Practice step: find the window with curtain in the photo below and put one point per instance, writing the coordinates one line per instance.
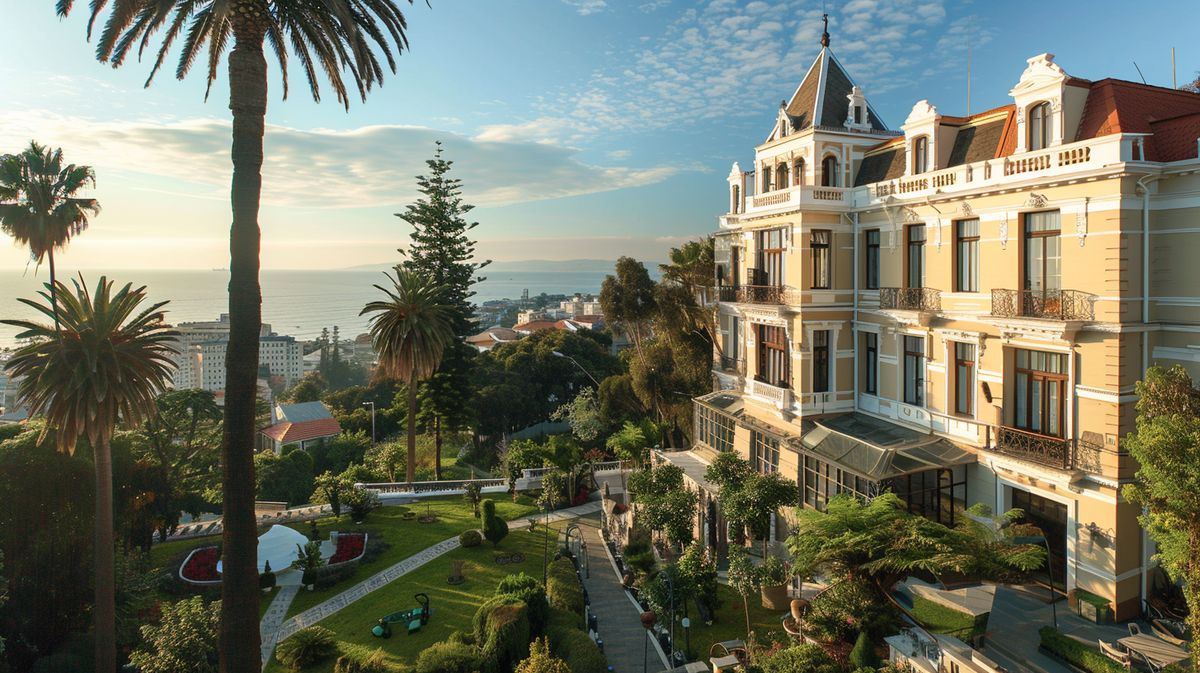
(819, 242)
(915, 257)
(914, 371)
(820, 360)
(764, 453)
(1039, 126)
(872, 260)
(966, 256)
(964, 378)
(1043, 252)
(774, 363)
(920, 162)
(871, 363)
(770, 244)
(1041, 386)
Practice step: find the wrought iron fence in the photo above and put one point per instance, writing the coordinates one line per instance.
(910, 298)
(727, 293)
(760, 294)
(1053, 304)
(1042, 449)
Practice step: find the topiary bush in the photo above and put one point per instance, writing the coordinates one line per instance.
(563, 589)
(448, 657)
(575, 647)
(502, 631)
(541, 661)
(494, 528)
(863, 654)
(306, 647)
(470, 538)
(530, 590)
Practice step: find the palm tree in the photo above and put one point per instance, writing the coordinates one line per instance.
(410, 330)
(330, 37)
(104, 365)
(38, 203)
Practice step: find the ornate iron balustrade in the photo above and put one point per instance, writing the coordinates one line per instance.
(1052, 304)
(760, 294)
(727, 293)
(1041, 449)
(910, 298)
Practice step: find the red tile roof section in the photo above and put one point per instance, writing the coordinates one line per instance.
(1118, 106)
(536, 326)
(1175, 139)
(287, 432)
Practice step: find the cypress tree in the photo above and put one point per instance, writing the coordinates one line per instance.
(442, 249)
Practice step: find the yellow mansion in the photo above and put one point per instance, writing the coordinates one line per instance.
(958, 311)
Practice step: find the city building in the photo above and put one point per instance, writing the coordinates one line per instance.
(200, 362)
(492, 337)
(958, 310)
(304, 424)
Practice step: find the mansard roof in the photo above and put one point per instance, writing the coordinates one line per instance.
(822, 97)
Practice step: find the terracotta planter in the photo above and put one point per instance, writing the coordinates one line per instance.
(798, 606)
(775, 597)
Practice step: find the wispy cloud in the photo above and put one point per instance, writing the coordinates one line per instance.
(586, 7)
(369, 166)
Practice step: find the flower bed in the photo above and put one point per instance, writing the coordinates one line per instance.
(200, 566)
(349, 547)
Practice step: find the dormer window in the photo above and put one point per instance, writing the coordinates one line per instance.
(829, 171)
(1039, 126)
(920, 160)
(858, 114)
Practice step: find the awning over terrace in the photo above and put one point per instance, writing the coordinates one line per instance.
(877, 449)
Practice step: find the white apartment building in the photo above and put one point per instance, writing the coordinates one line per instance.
(201, 358)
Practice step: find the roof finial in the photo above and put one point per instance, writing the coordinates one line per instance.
(825, 33)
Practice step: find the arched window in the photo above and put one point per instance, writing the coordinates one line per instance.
(781, 175)
(1039, 126)
(920, 160)
(766, 179)
(798, 173)
(829, 171)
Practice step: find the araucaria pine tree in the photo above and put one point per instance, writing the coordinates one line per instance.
(442, 251)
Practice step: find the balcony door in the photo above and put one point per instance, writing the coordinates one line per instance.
(1043, 256)
(770, 246)
(1041, 392)
(774, 362)
(914, 276)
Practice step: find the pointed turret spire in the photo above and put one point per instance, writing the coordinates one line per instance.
(825, 33)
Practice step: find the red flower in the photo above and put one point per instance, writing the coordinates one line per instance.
(349, 547)
(201, 566)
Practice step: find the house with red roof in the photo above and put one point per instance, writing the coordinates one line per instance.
(304, 424)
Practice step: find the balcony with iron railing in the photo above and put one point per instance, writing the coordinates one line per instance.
(910, 298)
(1045, 304)
(1044, 450)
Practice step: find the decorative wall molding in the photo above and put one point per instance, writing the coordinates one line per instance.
(1081, 222)
(1036, 200)
(1004, 232)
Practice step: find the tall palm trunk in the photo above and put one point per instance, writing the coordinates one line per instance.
(437, 448)
(240, 645)
(104, 612)
(411, 468)
(53, 289)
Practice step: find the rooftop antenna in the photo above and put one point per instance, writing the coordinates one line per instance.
(1174, 84)
(1139, 72)
(968, 67)
(825, 33)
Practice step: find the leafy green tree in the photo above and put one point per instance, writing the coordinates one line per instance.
(743, 577)
(1166, 446)
(583, 415)
(627, 299)
(494, 528)
(698, 568)
(102, 363)
(287, 478)
(337, 453)
(40, 206)
(473, 494)
(443, 251)
(629, 444)
(361, 502)
(411, 330)
(863, 654)
(386, 459)
(357, 37)
(750, 506)
(331, 488)
(183, 641)
(309, 388)
(664, 503)
(617, 400)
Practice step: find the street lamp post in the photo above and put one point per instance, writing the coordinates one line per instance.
(589, 374)
(372, 405)
(687, 636)
(671, 629)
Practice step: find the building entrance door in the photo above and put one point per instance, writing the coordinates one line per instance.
(1051, 518)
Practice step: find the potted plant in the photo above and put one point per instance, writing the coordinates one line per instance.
(308, 560)
(266, 581)
(772, 579)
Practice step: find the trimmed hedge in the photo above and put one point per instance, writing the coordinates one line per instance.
(502, 632)
(1074, 652)
(360, 661)
(530, 590)
(562, 587)
(448, 657)
(470, 538)
(577, 649)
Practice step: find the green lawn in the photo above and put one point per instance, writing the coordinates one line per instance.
(405, 537)
(938, 618)
(453, 606)
(730, 623)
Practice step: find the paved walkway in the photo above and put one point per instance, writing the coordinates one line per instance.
(617, 615)
(274, 617)
(383, 578)
(1012, 638)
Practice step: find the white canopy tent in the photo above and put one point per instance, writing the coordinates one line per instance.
(278, 545)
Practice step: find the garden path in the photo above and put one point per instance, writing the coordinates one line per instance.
(274, 617)
(382, 578)
(618, 618)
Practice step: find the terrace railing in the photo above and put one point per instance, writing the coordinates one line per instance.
(430, 486)
(1041, 449)
(910, 298)
(1048, 304)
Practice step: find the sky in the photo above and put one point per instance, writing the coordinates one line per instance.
(580, 128)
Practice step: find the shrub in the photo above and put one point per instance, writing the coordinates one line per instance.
(356, 662)
(470, 538)
(563, 590)
(575, 647)
(448, 657)
(1074, 652)
(772, 572)
(267, 579)
(808, 658)
(184, 640)
(541, 661)
(328, 576)
(306, 647)
(494, 528)
(361, 502)
(502, 631)
(863, 654)
(375, 547)
(531, 591)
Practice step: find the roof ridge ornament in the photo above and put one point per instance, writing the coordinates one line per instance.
(825, 32)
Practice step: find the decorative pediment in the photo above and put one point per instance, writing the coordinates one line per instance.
(1041, 71)
(735, 174)
(922, 111)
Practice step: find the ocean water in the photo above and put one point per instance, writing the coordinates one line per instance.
(295, 303)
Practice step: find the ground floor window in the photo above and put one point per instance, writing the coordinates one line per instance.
(764, 452)
(714, 428)
(939, 494)
(914, 371)
(821, 481)
(1051, 518)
